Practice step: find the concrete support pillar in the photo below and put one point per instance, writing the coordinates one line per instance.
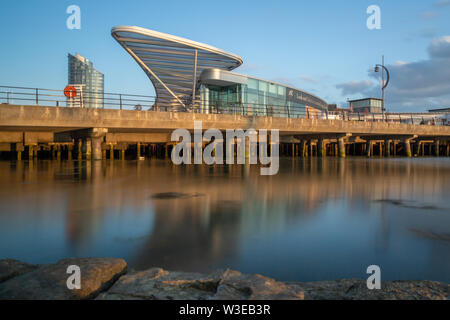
(416, 149)
(369, 148)
(407, 144)
(30, 152)
(448, 149)
(321, 148)
(387, 148)
(69, 152)
(58, 152)
(79, 149)
(422, 145)
(96, 145)
(341, 144)
(103, 153)
(166, 151)
(87, 148)
(111, 152)
(122, 154)
(198, 151)
(436, 147)
(303, 148)
(253, 147)
(138, 150)
(293, 149)
(19, 149)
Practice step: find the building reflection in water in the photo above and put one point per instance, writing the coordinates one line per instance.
(317, 219)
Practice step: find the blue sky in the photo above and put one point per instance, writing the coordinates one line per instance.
(320, 46)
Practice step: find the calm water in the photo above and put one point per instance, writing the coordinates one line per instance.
(315, 220)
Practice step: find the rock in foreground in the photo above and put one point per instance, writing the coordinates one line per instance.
(49, 282)
(105, 279)
(159, 284)
(10, 268)
(356, 289)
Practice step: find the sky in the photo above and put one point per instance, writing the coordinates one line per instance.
(321, 46)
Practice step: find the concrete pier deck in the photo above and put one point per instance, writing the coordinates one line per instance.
(94, 132)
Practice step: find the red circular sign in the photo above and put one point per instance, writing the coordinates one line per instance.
(70, 92)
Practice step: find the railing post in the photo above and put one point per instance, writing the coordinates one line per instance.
(120, 98)
(37, 94)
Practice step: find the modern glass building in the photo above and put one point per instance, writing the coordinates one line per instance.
(83, 75)
(227, 92)
(191, 76)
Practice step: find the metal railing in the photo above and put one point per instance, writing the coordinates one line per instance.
(119, 101)
(52, 97)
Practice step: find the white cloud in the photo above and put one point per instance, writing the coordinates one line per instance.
(355, 87)
(428, 15)
(442, 3)
(414, 86)
(307, 79)
(440, 48)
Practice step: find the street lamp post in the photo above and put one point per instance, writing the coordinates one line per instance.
(384, 84)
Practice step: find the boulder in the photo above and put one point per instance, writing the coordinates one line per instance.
(50, 281)
(10, 268)
(159, 284)
(356, 289)
(235, 285)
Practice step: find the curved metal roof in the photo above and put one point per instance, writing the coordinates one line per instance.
(172, 63)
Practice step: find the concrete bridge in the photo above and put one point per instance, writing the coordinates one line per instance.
(90, 133)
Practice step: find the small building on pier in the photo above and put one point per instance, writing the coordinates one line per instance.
(366, 105)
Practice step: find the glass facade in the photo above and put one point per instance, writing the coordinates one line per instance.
(82, 72)
(257, 97)
(370, 105)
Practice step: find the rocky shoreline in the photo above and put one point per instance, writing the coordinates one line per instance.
(108, 279)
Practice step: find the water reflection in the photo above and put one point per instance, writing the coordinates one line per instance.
(317, 219)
